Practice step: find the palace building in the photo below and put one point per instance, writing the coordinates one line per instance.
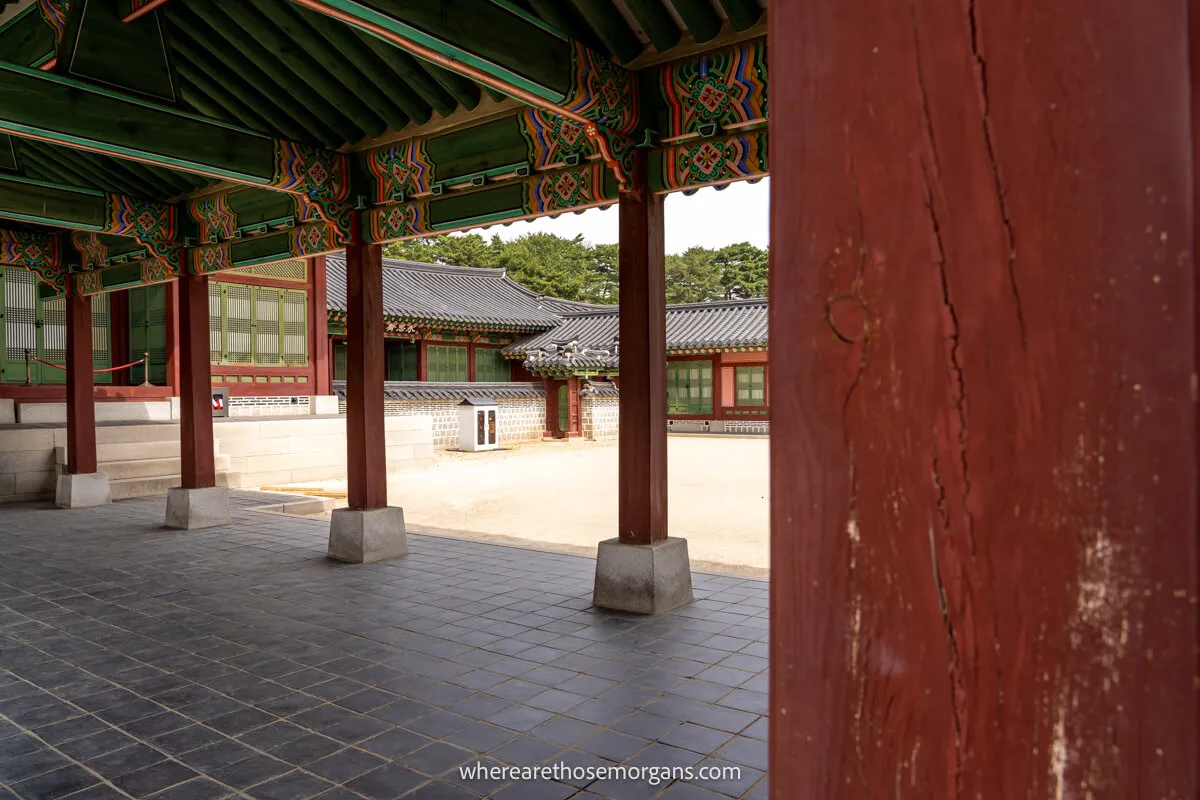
(277, 343)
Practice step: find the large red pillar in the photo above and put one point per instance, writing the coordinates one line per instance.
(642, 570)
(983, 422)
(642, 444)
(366, 468)
(81, 403)
(195, 384)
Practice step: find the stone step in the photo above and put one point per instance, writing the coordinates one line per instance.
(151, 467)
(118, 452)
(116, 434)
(129, 488)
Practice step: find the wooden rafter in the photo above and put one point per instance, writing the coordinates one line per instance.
(558, 75)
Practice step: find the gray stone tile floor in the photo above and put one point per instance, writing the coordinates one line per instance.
(136, 661)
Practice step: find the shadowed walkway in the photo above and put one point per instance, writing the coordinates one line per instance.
(141, 662)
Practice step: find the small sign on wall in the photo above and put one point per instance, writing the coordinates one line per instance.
(220, 401)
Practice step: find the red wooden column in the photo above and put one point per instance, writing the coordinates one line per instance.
(366, 458)
(318, 330)
(642, 443)
(195, 384)
(81, 404)
(983, 413)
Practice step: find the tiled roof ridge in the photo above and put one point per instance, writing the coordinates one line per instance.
(539, 297)
(605, 310)
(494, 273)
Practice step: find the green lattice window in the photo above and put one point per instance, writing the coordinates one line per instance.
(751, 386)
(490, 366)
(258, 325)
(689, 387)
(29, 322)
(446, 363)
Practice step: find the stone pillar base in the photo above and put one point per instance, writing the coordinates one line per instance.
(82, 491)
(189, 509)
(360, 536)
(643, 578)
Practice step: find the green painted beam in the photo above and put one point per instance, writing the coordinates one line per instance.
(660, 28)
(478, 148)
(480, 36)
(612, 28)
(308, 113)
(49, 204)
(743, 14)
(62, 111)
(700, 18)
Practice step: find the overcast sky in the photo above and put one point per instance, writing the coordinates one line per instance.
(706, 219)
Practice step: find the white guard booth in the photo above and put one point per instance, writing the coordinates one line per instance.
(477, 424)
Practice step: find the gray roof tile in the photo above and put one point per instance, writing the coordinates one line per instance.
(436, 293)
(427, 390)
(690, 326)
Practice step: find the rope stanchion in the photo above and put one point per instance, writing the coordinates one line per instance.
(143, 361)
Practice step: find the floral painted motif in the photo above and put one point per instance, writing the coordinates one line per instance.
(54, 12)
(151, 223)
(400, 221)
(728, 87)
(565, 190)
(87, 282)
(401, 171)
(214, 217)
(92, 252)
(690, 164)
(321, 176)
(552, 138)
(213, 258)
(602, 91)
(36, 252)
(314, 239)
(156, 270)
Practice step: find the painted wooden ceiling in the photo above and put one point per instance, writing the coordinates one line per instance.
(219, 132)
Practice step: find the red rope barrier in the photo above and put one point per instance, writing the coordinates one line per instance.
(108, 369)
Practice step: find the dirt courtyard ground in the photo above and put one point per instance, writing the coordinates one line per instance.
(564, 497)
